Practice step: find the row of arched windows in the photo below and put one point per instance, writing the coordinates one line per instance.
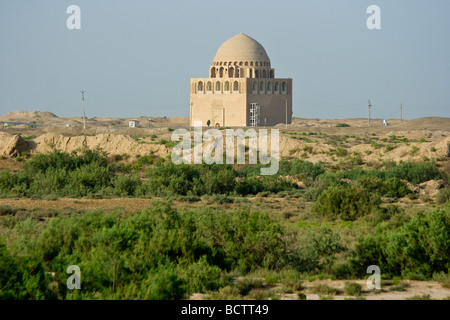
(257, 87)
(242, 64)
(261, 87)
(202, 87)
(237, 72)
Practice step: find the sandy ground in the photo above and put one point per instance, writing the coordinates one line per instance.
(414, 288)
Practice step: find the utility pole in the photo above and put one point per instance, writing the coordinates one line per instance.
(369, 112)
(401, 112)
(286, 113)
(84, 114)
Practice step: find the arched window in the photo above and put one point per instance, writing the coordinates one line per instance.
(231, 72)
(221, 72)
(227, 86)
(217, 87)
(277, 87)
(236, 86)
(237, 73)
(209, 87)
(283, 87)
(246, 63)
(269, 87)
(241, 63)
(221, 63)
(235, 63)
(261, 87)
(251, 64)
(271, 74)
(229, 63)
(255, 87)
(264, 74)
(256, 73)
(200, 86)
(250, 73)
(213, 72)
(256, 64)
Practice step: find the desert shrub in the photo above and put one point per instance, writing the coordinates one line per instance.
(342, 125)
(318, 251)
(23, 278)
(395, 188)
(356, 159)
(7, 210)
(125, 185)
(414, 249)
(218, 180)
(443, 195)
(414, 172)
(386, 213)
(443, 278)
(202, 277)
(260, 294)
(290, 285)
(348, 203)
(414, 150)
(401, 286)
(352, 289)
(323, 289)
(301, 296)
(145, 160)
(250, 185)
(341, 152)
(164, 284)
(305, 170)
(323, 182)
(245, 285)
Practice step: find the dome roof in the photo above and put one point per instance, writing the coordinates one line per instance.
(241, 48)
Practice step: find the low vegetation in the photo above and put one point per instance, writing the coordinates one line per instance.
(239, 244)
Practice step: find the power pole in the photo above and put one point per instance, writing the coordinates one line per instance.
(84, 114)
(401, 112)
(369, 112)
(286, 113)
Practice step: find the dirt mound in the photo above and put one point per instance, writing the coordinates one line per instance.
(427, 123)
(113, 144)
(25, 116)
(12, 145)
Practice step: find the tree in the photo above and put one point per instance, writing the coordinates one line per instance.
(208, 123)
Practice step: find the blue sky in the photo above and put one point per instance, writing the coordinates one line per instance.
(135, 58)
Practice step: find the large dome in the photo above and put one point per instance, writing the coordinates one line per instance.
(241, 48)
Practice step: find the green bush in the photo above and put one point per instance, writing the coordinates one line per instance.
(201, 277)
(443, 195)
(323, 289)
(415, 249)
(395, 188)
(414, 172)
(443, 278)
(342, 125)
(348, 203)
(245, 285)
(164, 284)
(352, 289)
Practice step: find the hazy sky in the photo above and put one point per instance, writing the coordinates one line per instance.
(135, 58)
